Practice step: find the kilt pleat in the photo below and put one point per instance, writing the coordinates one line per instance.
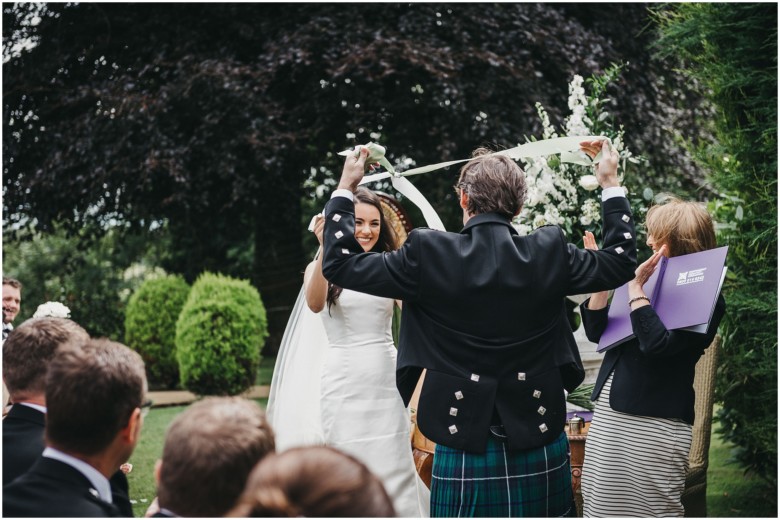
(503, 483)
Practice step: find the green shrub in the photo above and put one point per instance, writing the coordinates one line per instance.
(150, 327)
(219, 336)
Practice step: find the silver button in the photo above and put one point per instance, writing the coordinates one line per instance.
(94, 492)
(453, 412)
(458, 395)
(541, 410)
(453, 429)
(474, 377)
(521, 376)
(542, 427)
(345, 251)
(336, 217)
(619, 250)
(537, 393)
(338, 234)
(625, 218)
(627, 235)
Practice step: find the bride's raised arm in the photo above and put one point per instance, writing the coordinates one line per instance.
(315, 285)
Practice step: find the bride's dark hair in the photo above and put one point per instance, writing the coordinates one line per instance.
(387, 239)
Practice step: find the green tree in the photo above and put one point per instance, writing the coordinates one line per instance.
(219, 336)
(731, 50)
(208, 119)
(93, 277)
(150, 327)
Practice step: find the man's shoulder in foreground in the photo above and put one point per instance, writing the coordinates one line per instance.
(54, 489)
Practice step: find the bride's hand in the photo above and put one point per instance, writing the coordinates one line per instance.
(319, 228)
(598, 300)
(589, 241)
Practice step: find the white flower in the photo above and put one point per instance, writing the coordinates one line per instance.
(52, 310)
(589, 182)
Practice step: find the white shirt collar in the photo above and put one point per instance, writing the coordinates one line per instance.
(98, 481)
(38, 407)
(169, 513)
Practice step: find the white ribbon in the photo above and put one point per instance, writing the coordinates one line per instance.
(567, 147)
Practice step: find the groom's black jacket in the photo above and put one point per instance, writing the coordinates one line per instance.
(484, 312)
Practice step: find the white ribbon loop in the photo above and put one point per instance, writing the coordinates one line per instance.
(567, 147)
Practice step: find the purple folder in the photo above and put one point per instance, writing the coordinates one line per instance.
(683, 290)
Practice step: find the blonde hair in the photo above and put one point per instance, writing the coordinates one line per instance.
(685, 227)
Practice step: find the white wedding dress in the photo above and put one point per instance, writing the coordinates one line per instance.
(341, 393)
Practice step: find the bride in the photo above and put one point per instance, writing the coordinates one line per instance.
(343, 394)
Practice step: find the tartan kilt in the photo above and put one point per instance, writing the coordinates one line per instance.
(503, 483)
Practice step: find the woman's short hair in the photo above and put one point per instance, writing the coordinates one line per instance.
(313, 481)
(493, 183)
(685, 227)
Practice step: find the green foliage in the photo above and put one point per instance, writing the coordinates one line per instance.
(93, 277)
(581, 397)
(219, 336)
(150, 327)
(731, 50)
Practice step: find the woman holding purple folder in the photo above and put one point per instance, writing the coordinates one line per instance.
(636, 455)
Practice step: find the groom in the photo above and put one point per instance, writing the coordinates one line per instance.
(484, 313)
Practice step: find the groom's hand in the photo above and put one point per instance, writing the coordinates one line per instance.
(354, 169)
(606, 169)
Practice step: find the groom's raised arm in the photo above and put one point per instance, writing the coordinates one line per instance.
(391, 275)
(614, 264)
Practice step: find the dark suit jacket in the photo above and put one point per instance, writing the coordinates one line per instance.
(23, 443)
(484, 313)
(53, 489)
(653, 372)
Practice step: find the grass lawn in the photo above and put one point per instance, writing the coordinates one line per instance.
(730, 493)
(266, 370)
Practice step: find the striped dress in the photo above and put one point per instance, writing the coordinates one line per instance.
(634, 465)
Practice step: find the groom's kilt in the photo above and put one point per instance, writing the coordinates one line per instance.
(501, 483)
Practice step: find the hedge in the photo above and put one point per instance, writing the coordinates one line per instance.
(219, 336)
(150, 327)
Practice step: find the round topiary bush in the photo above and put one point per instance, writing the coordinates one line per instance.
(150, 327)
(219, 335)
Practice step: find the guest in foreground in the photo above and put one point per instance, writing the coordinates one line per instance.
(315, 481)
(636, 455)
(484, 313)
(94, 398)
(209, 451)
(26, 358)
